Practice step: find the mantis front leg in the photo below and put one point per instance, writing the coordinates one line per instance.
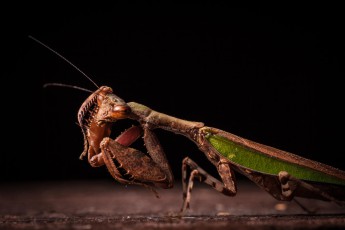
(227, 186)
(130, 166)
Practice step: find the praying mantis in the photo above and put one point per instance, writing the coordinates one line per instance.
(283, 175)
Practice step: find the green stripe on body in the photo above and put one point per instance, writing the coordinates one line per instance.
(256, 161)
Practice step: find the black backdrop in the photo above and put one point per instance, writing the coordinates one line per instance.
(272, 76)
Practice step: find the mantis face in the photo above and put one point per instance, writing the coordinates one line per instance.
(111, 108)
(97, 113)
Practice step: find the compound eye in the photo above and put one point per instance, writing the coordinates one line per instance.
(105, 90)
(123, 109)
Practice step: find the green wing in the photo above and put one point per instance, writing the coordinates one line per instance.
(259, 162)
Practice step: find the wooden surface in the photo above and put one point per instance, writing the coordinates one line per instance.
(108, 205)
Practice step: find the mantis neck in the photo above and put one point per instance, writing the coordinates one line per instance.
(154, 119)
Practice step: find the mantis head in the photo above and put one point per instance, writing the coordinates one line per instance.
(110, 107)
(97, 113)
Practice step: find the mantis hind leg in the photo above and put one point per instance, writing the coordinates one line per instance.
(227, 186)
(289, 186)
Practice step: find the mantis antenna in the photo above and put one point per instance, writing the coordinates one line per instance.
(67, 86)
(66, 60)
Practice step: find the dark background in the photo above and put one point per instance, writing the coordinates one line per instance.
(272, 76)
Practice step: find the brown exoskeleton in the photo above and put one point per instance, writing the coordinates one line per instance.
(282, 174)
(103, 108)
(126, 165)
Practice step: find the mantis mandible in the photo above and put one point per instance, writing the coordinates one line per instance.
(282, 174)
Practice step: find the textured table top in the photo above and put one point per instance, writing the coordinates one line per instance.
(109, 205)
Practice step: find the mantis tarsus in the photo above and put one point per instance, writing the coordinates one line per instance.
(280, 173)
